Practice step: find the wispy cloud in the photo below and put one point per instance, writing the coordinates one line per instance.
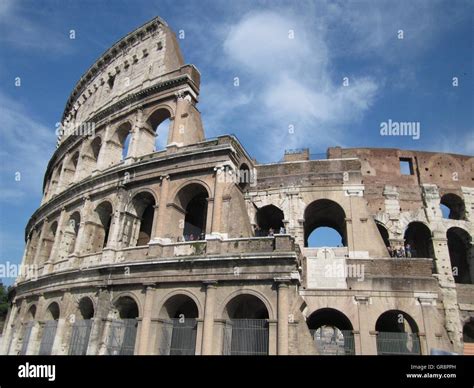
(296, 100)
(27, 145)
(19, 30)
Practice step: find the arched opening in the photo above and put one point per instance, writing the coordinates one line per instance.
(123, 136)
(460, 253)
(123, 329)
(244, 177)
(468, 332)
(96, 144)
(192, 199)
(246, 327)
(383, 233)
(55, 177)
(269, 221)
(100, 234)
(452, 207)
(178, 326)
(397, 333)
(332, 332)
(27, 328)
(47, 243)
(418, 241)
(49, 329)
(81, 327)
(75, 161)
(330, 215)
(144, 209)
(71, 232)
(160, 122)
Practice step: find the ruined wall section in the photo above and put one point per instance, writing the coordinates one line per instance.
(135, 62)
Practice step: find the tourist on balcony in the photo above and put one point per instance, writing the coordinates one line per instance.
(408, 250)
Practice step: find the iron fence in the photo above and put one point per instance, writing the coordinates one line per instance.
(398, 343)
(47, 338)
(81, 331)
(245, 337)
(26, 337)
(330, 341)
(178, 337)
(122, 337)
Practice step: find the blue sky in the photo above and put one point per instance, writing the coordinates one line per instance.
(291, 59)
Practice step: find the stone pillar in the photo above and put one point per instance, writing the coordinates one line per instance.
(61, 338)
(448, 290)
(37, 329)
(102, 310)
(81, 241)
(272, 337)
(143, 137)
(62, 223)
(102, 159)
(10, 324)
(156, 211)
(161, 219)
(368, 337)
(17, 328)
(144, 334)
(44, 231)
(116, 222)
(429, 312)
(208, 327)
(217, 208)
(283, 308)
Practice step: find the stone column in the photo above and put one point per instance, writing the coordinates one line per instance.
(144, 335)
(10, 324)
(272, 337)
(448, 290)
(116, 222)
(61, 338)
(156, 214)
(44, 231)
(161, 219)
(368, 339)
(62, 223)
(102, 310)
(283, 308)
(37, 329)
(428, 312)
(102, 158)
(79, 244)
(17, 328)
(217, 209)
(208, 327)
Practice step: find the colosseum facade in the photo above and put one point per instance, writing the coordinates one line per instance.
(196, 248)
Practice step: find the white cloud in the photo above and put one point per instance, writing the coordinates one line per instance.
(292, 81)
(26, 148)
(23, 32)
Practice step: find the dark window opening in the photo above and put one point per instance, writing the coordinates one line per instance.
(269, 221)
(459, 242)
(406, 166)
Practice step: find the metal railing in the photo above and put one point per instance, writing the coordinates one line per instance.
(47, 338)
(122, 336)
(330, 341)
(26, 337)
(398, 343)
(178, 337)
(245, 337)
(81, 331)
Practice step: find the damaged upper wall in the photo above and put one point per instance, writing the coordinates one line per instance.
(381, 170)
(147, 55)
